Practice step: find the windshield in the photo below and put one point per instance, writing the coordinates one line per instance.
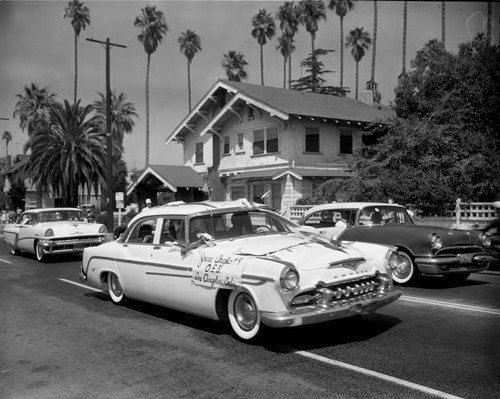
(384, 215)
(235, 224)
(59, 215)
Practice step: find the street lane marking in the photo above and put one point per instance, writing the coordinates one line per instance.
(372, 373)
(451, 305)
(5, 261)
(80, 285)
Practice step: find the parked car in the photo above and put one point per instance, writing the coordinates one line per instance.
(53, 231)
(241, 263)
(431, 250)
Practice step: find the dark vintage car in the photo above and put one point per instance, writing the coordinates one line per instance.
(423, 250)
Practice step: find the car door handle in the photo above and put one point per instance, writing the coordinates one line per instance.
(156, 247)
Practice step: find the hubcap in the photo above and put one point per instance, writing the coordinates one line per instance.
(245, 311)
(116, 286)
(403, 269)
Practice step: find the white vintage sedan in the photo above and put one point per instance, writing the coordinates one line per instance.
(53, 231)
(241, 264)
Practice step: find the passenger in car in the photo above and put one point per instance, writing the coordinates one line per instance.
(241, 224)
(146, 234)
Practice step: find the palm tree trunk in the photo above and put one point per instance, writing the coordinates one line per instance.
(284, 72)
(341, 51)
(147, 110)
(405, 30)
(374, 51)
(262, 64)
(189, 85)
(290, 71)
(357, 76)
(443, 23)
(312, 43)
(76, 69)
(488, 27)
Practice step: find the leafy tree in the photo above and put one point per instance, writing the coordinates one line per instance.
(341, 7)
(70, 153)
(7, 137)
(17, 195)
(314, 81)
(235, 66)
(359, 41)
(444, 143)
(310, 13)
(80, 19)
(190, 45)
(152, 27)
(263, 28)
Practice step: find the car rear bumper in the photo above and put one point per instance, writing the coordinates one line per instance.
(454, 264)
(348, 308)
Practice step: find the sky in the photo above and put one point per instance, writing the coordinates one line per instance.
(37, 46)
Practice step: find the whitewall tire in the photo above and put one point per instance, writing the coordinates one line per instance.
(243, 314)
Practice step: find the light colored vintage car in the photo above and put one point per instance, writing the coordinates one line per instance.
(422, 250)
(53, 231)
(241, 264)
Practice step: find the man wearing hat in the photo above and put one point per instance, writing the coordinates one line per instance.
(148, 203)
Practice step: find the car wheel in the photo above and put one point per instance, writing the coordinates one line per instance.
(243, 314)
(406, 271)
(13, 250)
(39, 252)
(115, 288)
(456, 277)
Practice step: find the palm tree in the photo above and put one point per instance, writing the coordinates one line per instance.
(311, 12)
(33, 109)
(341, 7)
(80, 19)
(70, 153)
(152, 27)
(7, 137)
(405, 32)
(443, 23)
(360, 41)
(263, 28)
(190, 44)
(235, 66)
(288, 15)
(286, 47)
(122, 114)
(374, 47)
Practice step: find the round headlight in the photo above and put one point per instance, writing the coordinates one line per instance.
(436, 242)
(49, 233)
(103, 229)
(392, 259)
(485, 240)
(289, 279)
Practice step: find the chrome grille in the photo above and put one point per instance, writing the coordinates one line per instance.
(336, 294)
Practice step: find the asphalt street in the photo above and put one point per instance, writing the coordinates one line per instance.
(60, 339)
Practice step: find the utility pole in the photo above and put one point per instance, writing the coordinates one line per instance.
(109, 142)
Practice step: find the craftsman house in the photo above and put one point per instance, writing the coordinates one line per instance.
(271, 144)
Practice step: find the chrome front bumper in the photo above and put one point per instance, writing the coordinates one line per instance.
(454, 264)
(68, 246)
(352, 307)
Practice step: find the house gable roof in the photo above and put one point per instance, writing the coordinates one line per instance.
(172, 176)
(281, 103)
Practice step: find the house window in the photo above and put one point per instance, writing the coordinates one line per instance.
(258, 191)
(258, 142)
(250, 113)
(345, 142)
(240, 142)
(312, 139)
(226, 145)
(237, 192)
(199, 153)
(266, 141)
